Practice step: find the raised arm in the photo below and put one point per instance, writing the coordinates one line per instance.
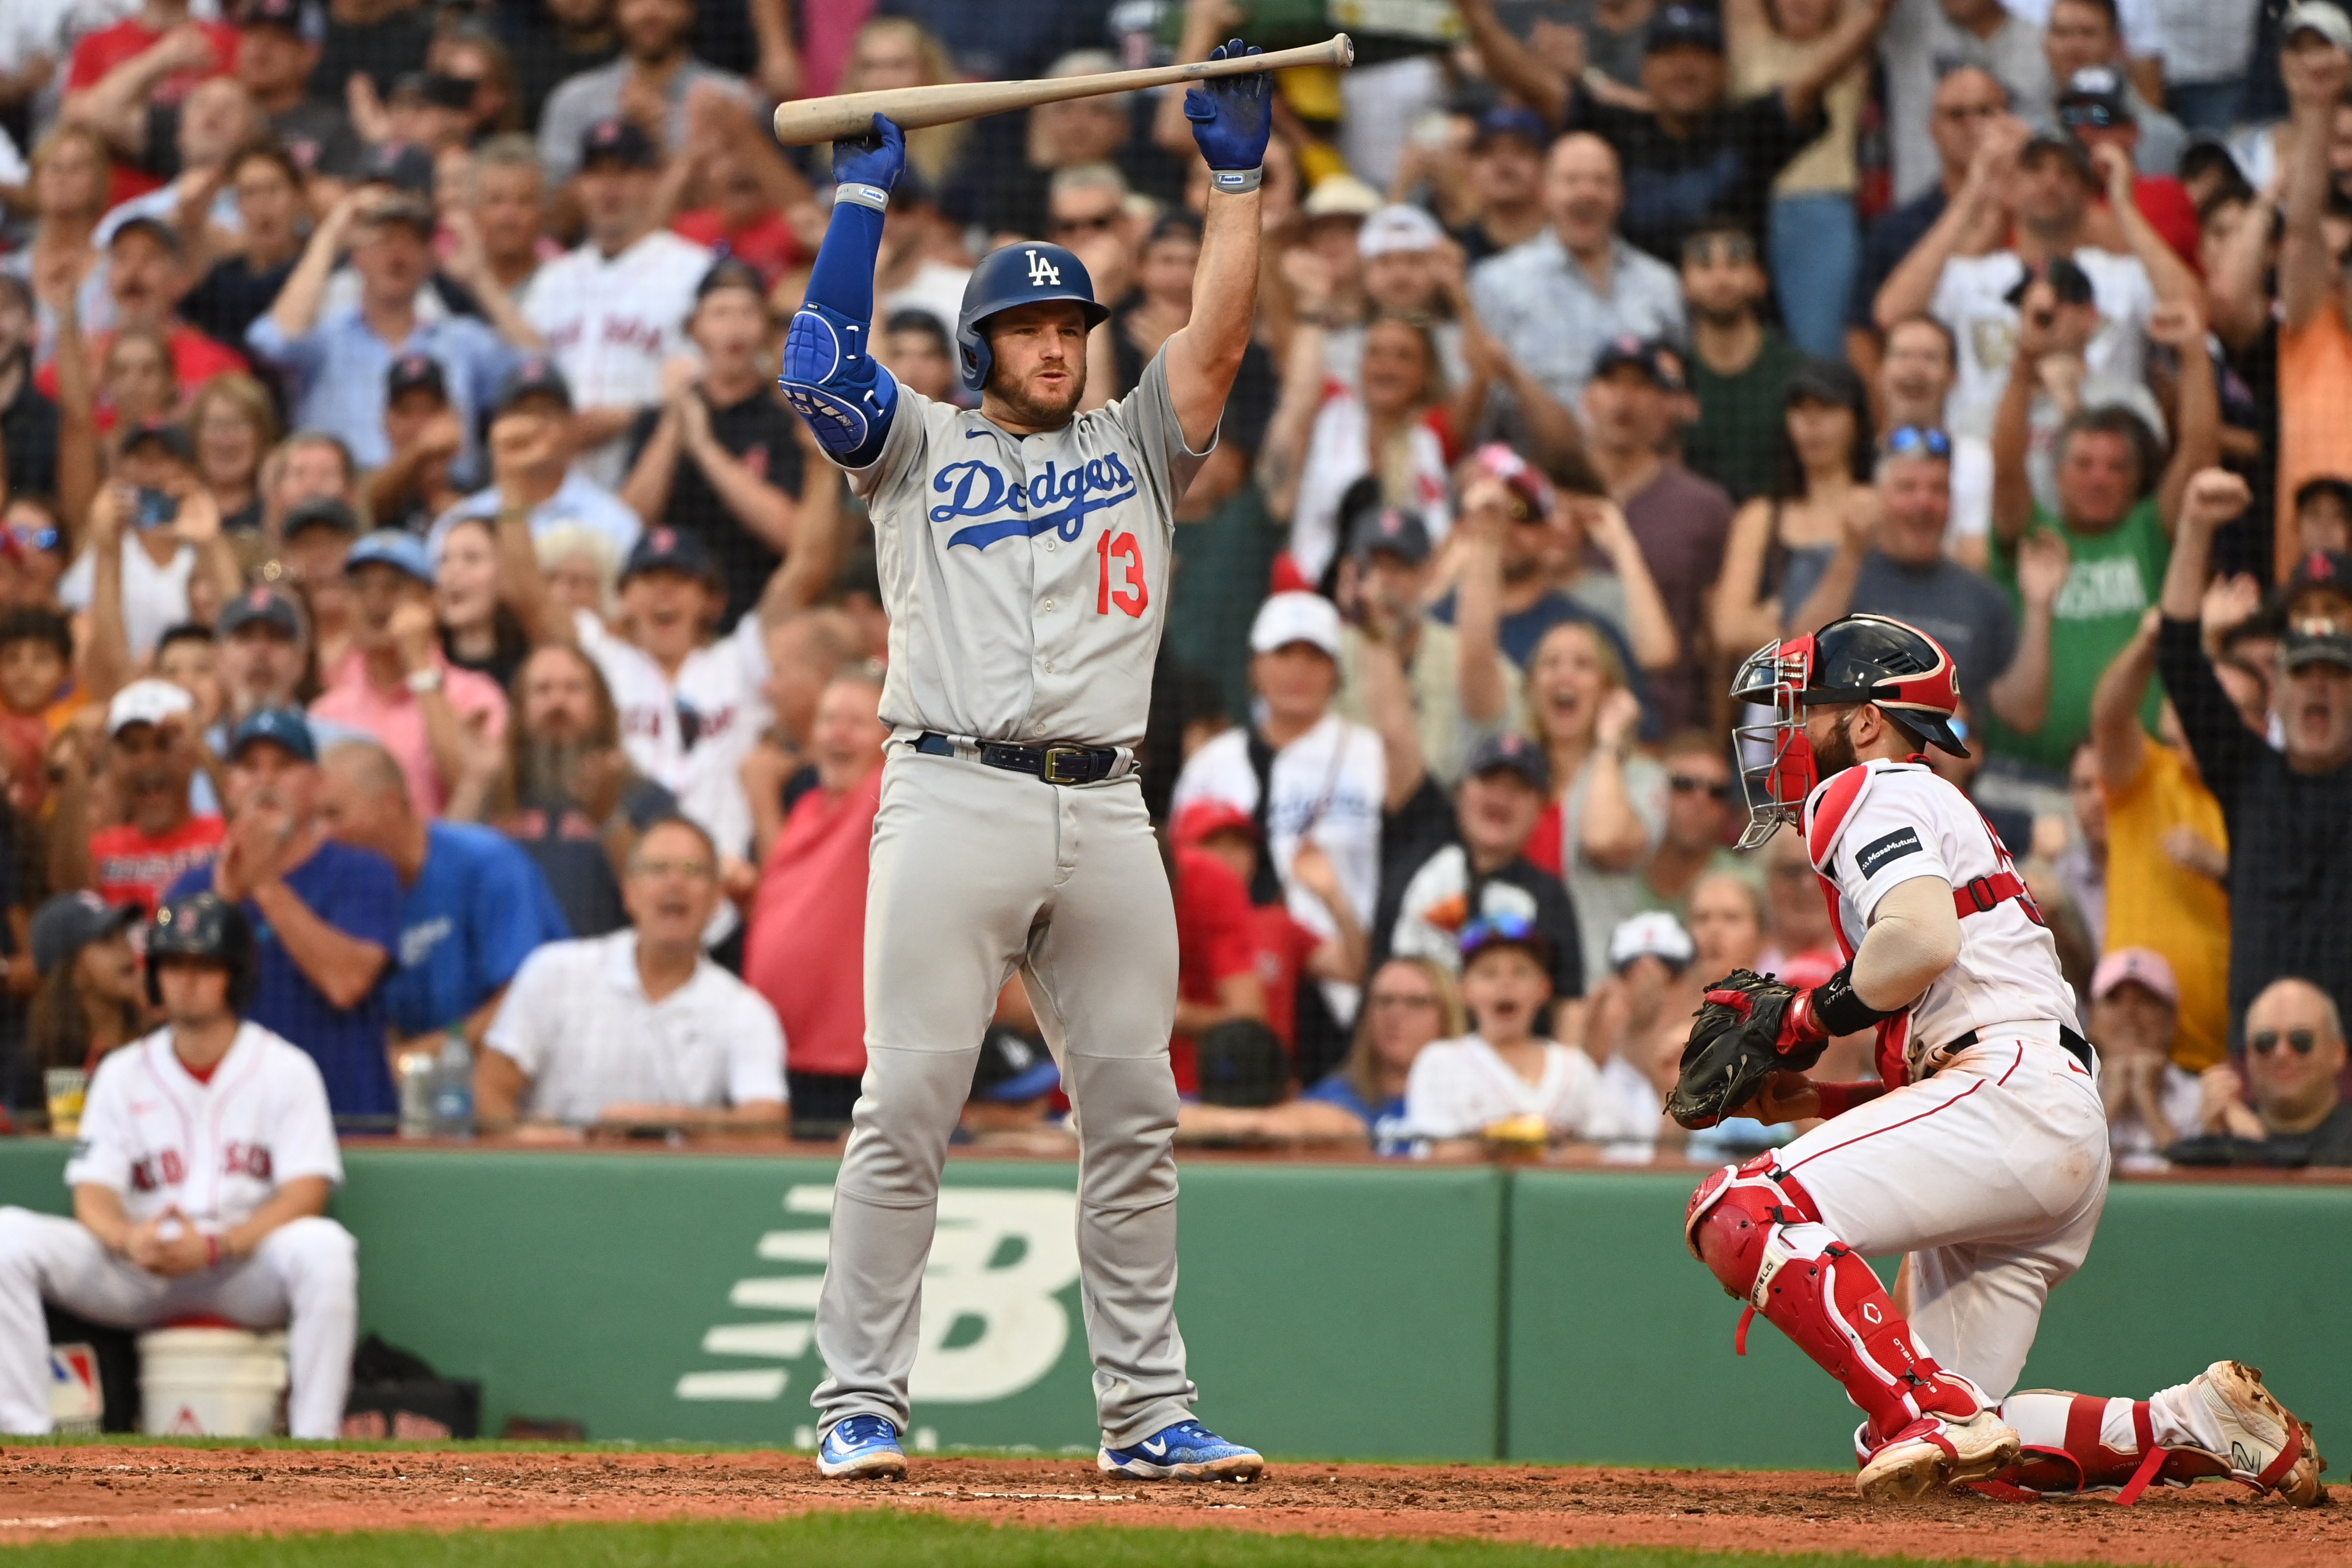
(296, 309)
(829, 375)
(2169, 275)
(2223, 746)
(2118, 741)
(1648, 625)
(1911, 287)
(1232, 117)
(2012, 481)
(2197, 442)
(1859, 23)
(1478, 599)
(2306, 270)
(116, 105)
(1512, 66)
(2020, 695)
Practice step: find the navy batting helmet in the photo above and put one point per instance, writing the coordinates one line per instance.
(207, 927)
(1019, 274)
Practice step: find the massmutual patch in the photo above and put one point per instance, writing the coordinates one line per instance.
(1871, 857)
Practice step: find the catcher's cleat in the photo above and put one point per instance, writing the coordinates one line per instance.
(1934, 1453)
(2268, 1449)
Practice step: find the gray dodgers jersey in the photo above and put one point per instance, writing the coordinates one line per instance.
(1026, 576)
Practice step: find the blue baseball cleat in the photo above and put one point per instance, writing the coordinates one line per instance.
(863, 1448)
(1187, 1451)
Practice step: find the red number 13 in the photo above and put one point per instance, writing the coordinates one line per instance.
(1132, 595)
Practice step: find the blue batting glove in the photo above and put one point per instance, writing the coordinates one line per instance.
(1233, 116)
(874, 159)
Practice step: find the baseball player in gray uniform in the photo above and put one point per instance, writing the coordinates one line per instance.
(1024, 552)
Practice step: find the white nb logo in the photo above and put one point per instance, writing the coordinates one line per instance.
(1041, 271)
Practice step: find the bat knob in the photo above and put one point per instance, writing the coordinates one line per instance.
(1343, 50)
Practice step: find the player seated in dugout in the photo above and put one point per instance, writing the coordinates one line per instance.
(1504, 1085)
(2281, 1102)
(206, 1160)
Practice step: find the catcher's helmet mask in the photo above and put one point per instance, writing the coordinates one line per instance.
(1877, 659)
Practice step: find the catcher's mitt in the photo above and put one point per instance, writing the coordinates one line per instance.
(1734, 1046)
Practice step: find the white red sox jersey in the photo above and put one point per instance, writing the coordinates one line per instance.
(214, 1150)
(609, 323)
(691, 734)
(1026, 576)
(1881, 824)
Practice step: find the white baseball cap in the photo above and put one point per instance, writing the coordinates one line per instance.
(1399, 226)
(1655, 935)
(2318, 16)
(1341, 195)
(146, 702)
(1291, 617)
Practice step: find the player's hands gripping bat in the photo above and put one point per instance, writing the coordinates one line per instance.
(874, 159)
(1749, 1027)
(1231, 116)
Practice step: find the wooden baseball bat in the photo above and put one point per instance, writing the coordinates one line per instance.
(849, 114)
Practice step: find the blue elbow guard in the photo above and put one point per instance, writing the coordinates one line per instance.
(845, 394)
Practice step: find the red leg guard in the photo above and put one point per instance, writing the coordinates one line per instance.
(1760, 1234)
(2081, 1460)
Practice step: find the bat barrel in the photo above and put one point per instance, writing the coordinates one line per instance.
(842, 115)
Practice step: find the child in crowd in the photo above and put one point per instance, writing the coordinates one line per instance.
(1502, 1079)
(36, 678)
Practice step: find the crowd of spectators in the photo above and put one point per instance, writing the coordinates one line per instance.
(405, 541)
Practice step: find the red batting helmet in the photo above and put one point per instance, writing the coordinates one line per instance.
(1859, 658)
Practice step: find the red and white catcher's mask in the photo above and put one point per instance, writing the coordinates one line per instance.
(1858, 659)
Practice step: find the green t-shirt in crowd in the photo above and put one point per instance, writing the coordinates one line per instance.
(2114, 578)
(1738, 416)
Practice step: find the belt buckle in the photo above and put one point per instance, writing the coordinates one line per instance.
(1053, 756)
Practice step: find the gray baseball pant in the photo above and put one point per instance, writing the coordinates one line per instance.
(977, 871)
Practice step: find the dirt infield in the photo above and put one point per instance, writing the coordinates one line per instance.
(50, 1493)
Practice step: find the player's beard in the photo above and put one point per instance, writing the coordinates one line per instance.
(1835, 753)
(1027, 410)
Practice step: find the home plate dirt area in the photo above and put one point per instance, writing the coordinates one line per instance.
(51, 1493)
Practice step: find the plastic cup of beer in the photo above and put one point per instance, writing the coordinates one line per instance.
(65, 1088)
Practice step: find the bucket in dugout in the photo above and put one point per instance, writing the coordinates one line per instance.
(212, 1382)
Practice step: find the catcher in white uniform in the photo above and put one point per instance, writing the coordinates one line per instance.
(1024, 552)
(206, 1160)
(1981, 1151)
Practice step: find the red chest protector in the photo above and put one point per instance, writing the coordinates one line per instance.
(1824, 817)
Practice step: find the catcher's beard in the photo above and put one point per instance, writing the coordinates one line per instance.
(1835, 753)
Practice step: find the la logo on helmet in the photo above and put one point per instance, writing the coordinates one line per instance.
(1041, 271)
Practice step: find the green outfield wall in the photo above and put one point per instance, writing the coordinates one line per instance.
(1347, 1310)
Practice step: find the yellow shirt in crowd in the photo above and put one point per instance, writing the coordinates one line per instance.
(2153, 902)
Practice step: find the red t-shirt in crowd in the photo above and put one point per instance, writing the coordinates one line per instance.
(133, 869)
(805, 949)
(768, 242)
(2169, 209)
(1283, 946)
(196, 359)
(99, 52)
(1212, 942)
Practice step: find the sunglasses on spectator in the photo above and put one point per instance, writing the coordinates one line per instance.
(34, 538)
(676, 869)
(1094, 224)
(1497, 928)
(2303, 1041)
(2092, 116)
(1912, 441)
(1730, 249)
(1683, 783)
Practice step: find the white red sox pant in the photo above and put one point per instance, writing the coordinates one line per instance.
(304, 1277)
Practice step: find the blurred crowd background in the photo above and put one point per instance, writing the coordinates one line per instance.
(404, 536)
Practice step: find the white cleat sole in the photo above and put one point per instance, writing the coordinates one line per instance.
(1907, 1471)
(1234, 1468)
(865, 1468)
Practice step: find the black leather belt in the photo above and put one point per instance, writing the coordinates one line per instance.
(1055, 763)
(2079, 1047)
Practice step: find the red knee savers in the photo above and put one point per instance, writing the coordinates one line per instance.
(1733, 1213)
